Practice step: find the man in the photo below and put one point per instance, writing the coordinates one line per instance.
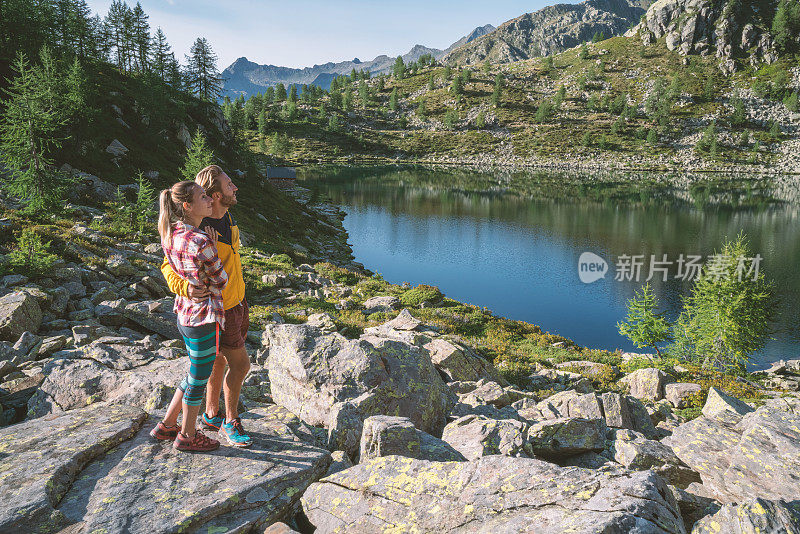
(232, 352)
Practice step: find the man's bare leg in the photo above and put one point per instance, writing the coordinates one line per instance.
(238, 367)
(214, 385)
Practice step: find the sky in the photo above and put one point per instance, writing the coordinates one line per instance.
(301, 33)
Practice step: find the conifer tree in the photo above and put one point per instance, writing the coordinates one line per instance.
(141, 38)
(643, 325)
(293, 93)
(399, 69)
(393, 100)
(363, 93)
(145, 198)
(497, 95)
(280, 92)
(29, 138)
(203, 78)
(457, 87)
(161, 55)
(198, 156)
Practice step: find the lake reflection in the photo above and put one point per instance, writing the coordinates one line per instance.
(511, 242)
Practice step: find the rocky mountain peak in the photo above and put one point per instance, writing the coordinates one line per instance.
(704, 27)
(548, 31)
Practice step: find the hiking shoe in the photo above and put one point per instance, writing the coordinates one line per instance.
(199, 443)
(212, 423)
(234, 433)
(163, 432)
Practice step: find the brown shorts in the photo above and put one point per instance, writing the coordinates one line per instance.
(237, 321)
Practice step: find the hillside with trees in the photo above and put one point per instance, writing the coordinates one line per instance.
(635, 101)
(84, 96)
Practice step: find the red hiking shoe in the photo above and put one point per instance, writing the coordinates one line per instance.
(199, 443)
(163, 432)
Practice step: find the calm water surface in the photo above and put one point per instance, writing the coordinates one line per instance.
(512, 242)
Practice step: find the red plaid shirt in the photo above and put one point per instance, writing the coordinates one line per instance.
(193, 256)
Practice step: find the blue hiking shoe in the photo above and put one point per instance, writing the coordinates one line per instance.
(234, 433)
(212, 423)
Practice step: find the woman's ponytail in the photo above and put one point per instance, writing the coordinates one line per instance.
(165, 217)
(171, 208)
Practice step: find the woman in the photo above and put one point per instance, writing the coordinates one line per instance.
(192, 254)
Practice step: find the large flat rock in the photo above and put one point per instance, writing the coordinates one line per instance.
(757, 456)
(75, 383)
(493, 494)
(145, 486)
(40, 459)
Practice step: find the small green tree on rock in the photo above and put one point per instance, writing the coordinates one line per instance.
(643, 325)
(145, 207)
(727, 316)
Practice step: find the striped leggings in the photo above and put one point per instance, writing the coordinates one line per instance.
(202, 343)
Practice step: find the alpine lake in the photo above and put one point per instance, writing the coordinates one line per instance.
(512, 241)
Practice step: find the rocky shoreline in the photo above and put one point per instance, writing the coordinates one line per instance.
(402, 428)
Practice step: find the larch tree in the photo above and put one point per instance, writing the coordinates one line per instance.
(203, 78)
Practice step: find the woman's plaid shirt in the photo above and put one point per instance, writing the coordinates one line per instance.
(193, 256)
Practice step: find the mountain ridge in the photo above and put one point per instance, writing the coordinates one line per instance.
(550, 30)
(247, 77)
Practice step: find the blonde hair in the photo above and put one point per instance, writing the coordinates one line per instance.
(207, 179)
(171, 207)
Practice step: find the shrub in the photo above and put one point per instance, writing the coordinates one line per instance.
(422, 293)
(450, 119)
(738, 116)
(31, 256)
(586, 140)
(480, 120)
(337, 274)
(545, 111)
(708, 142)
(652, 137)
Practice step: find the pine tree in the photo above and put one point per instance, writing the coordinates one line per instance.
(560, 96)
(480, 120)
(280, 92)
(422, 113)
(198, 156)
(141, 38)
(727, 315)
(393, 100)
(115, 32)
(363, 93)
(457, 87)
(450, 119)
(738, 116)
(643, 326)
(262, 124)
(431, 82)
(791, 102)
(347, 99)
(145, 199)
(497, 95)
(28, 138)
(544, 112)
(161, 54)
(293, 93)
(584, 53)
(203, 79)
(399, 69)
(786, 26)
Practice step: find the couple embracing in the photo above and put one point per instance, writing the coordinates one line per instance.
(202, 267)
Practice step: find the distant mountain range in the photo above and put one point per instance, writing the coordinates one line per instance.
(550, 30)
(246, 77)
